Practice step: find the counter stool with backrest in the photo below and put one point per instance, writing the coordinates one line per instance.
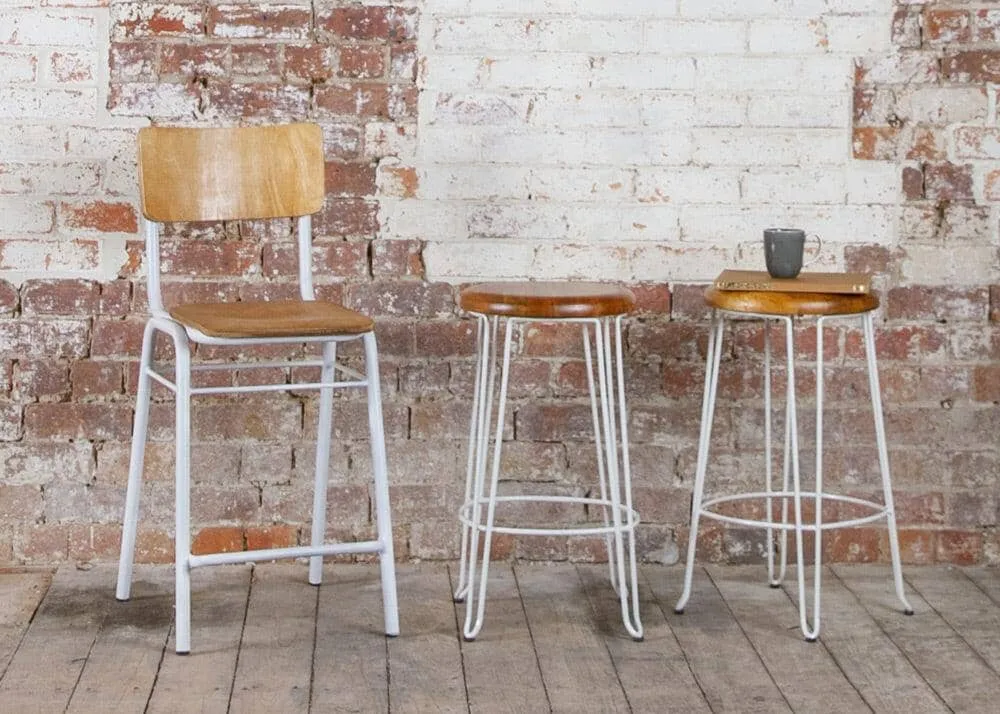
(788, 308)
(268, 172)
(598, 309)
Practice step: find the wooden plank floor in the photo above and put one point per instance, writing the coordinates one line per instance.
(265, 641)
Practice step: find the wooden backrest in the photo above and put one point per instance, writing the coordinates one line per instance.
(214, 174)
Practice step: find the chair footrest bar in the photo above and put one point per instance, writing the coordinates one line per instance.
(629, 518)
(808, 498)
(304, 551)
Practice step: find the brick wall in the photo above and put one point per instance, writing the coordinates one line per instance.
(641, 141)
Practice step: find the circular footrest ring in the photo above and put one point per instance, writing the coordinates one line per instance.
(629, 517)
(807, 497)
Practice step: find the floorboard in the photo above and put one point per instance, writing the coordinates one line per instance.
(20, 593)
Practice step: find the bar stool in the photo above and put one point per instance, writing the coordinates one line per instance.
(787, 307)
(598, 308)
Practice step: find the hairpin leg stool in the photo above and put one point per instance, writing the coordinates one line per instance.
(787, 308)
(598, 308)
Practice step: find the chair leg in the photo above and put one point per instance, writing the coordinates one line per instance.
(707, 415)
(324, 432)
(182, 494)
(383, 522)
(883, 460)
(130, 521)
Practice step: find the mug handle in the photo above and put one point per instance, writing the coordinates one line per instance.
(819, 249)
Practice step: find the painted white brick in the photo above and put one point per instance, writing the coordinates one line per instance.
(623, 223)
(644, 71)
(32, 141)
(794, 185)
(591, 108)
(522, 220)
(787, 37)
(498, 258)
(25, 215)
(740, 8)
(769, 147)
(20, 102)
(583, 8)
(835, 73)
(18, 67)
(538, 35)
(426, 220)
(672, 37)
(829, 110)
(478, 108)
(719, 109)
(742, 74)
(873, 182)
(943, 105)
(688, 185)
(387, 139)
(33, 177)
(556, 70)
(33, 27)
(960, 264)
(582, 183)
(39, 257)
(859, 34)
(474, 182)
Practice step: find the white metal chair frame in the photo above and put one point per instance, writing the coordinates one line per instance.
(702, 507)
(334, 376)
(614, 472)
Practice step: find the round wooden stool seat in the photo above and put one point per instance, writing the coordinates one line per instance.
(763, 302)
(553, 300)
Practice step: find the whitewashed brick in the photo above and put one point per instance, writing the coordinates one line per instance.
(591, 108)
(426, 220)
(538, 35)
(828, 110)
(688, 185)
(768, 147)
(387, 139)
(33, 177)
(643, 71)
(671, 37)
(859, 34)
(584, 8)
(475, 182)
(32, 141)
(68, 257)
(794, 185)
(556, 70)
(582, 183)
(747, 73)
(25, 215)
(498, 258)
(20, 102)
(943, 105)
(787, 36)
(18, 67)
(521, 220)
(873, 182)
(959, 265)
(50, 28)
(480, 108)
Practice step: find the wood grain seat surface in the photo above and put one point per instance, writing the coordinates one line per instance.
(286, 318)
(790, 304)
(548, 300)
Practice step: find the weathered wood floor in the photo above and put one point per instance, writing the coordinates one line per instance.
(265, 641)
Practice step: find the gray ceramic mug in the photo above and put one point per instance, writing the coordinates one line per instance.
(783, 251)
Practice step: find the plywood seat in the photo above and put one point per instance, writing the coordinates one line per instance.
(548, 300)
(763, 302)
(286, 318)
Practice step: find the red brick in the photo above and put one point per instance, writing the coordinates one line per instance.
(987, 23)
(60, 297)
(308, 62)
(116, 298)
(200, 60)
(917, 547)
(117, 338)
(913, 183)
(959, 547)
(133, 60)
(343, 259)
(272, 536)
(995, 303)
(402, 298)
(237, 258)
(61, 422)
(255, 60)
(947, 25)
(399, 181)
(869, 258)
(358, 99)
(48, 338)
(403, 63)
(350, 179)
(651, 298)
(876, 143)
(153, 546)
(906, 30)
(96, 379)
(145, 19)
(217, 539)
(347, 217)
(100, 216)
(258, 100)
(259, 21)
(361, 62)
(397, 258)
(920, 302)
(927, 143)
(986, 383)
(369, 23)
(70, 67)
(41, 379)
(8, 297)
(447, 338)
(972, 66)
